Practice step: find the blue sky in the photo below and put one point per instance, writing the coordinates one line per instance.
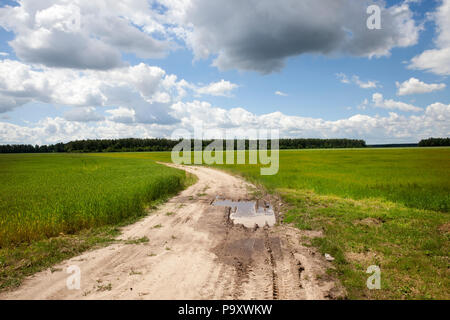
(314, 97)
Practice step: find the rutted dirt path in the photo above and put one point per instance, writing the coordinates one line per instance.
(194, 252)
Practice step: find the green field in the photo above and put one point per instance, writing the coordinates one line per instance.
(67, 198)
(417, 178)
(44, 195)
(385, 207)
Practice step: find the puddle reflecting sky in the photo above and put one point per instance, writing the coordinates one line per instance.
(249, 213)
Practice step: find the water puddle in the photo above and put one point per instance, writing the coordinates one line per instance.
(249, 213)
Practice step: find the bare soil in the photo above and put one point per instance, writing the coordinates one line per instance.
(195, 252)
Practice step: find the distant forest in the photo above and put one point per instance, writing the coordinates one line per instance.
(435, 142)
(141, 145)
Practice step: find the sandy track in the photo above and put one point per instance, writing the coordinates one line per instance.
(194, 253)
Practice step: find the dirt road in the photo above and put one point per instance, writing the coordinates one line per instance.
(194, 252)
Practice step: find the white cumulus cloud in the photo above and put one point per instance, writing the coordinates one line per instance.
(380, 102)
(220, 88)
(356, 80)
(435, 121)
(85, 114)
(122, 115)
(83, 34)
(437, 60)
(415, 86)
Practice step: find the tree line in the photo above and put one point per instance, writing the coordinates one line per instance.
(435, 142)
(162, 144)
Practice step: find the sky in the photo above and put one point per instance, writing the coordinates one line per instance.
(106, 69)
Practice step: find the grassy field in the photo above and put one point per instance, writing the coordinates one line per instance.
(416, 178)
(56, 205)
(385, 207)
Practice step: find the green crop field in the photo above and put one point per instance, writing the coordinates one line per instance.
(44, 195)
(48, 195)
(385, 207)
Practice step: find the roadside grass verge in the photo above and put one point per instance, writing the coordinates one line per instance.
(20, 261)
(53, 207)
(409, 245)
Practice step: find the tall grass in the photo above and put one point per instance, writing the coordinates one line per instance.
(45, 195)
